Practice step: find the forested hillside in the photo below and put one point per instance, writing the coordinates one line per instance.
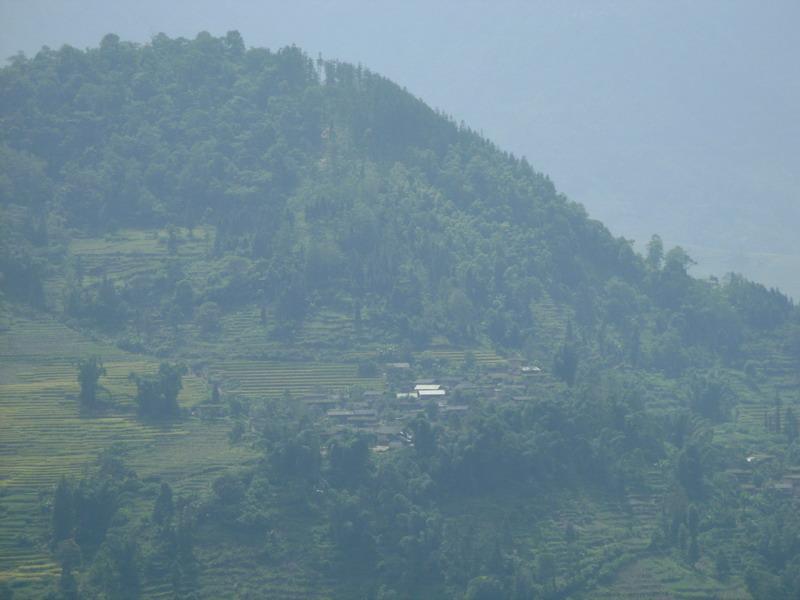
(356, 350)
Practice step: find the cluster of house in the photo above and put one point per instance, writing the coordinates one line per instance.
(427, 392)
(343, 412)
(384, 414)
(787, 485)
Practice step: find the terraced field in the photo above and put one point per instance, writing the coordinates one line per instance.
(661, 577)
(43, 436)
(756, 400)
(324, 335)
(124, 254)
(607, 533)
(486, 357)
(231, 565)
(264, 379)
(132, 251)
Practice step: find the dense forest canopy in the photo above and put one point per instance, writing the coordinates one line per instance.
(321, 172)
(327, 178)
(315, 186)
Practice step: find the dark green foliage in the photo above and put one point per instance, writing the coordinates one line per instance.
(68, 585)
(424, 437)
(565, 362)
(69, 554)
(23, 179)
(758, 306)
(236, 433)
(83, 512)
(106, 554)
(693, 551)
(89, 372)
(22, 269)
(184, 297)
(790, 425)
(655, 253)
(100, 304)
(484, 588)
(326, 182)
(710, 397)
(95, 504)
(157, 396)
(690, 470)
(722, 565)
(368, 369)
(116, 568)
(164, 507)
(345, 182)
(208, 318)
(546, 570)
(228, 489)
(63, 511)
(349, 460)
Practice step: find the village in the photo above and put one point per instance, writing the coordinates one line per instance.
(384, 415)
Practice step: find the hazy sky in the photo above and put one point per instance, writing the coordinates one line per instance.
(673, 117)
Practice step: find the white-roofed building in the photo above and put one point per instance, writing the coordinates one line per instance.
(428, 393)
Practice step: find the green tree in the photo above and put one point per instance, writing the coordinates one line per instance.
(69, 554)
(693, 552)
(157, 396)
(63, 511)
(67, 585)
(164, 507)
(89, 372)
(710, 396)
(690, 470)
(790, 425)
(546, 570)
(655, 253)
(208, 318)
(484, 588)
(565, 361)
(184, 297)
(349, 459)
(722, 565)
(116, 568)
(424, 436)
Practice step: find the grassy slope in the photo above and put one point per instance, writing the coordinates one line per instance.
(44, 435)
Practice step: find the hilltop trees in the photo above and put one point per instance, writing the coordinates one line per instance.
(325, 192)
(655, 253)
(347, 186)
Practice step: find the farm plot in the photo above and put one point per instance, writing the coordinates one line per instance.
(132, 251)
(43, 436)
(265, 379)
(482, 356)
